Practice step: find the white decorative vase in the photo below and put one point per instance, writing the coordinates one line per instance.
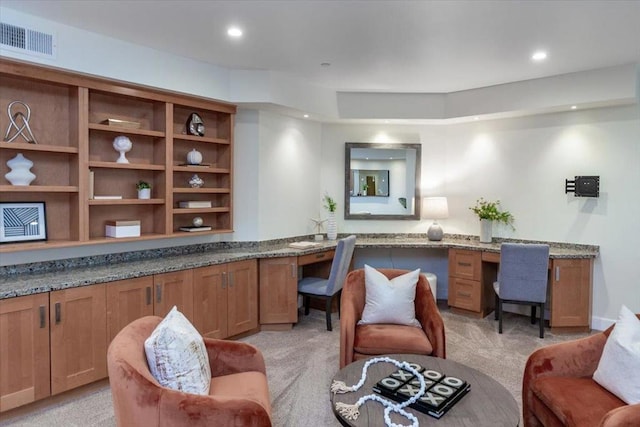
(332, 226)
(194, 157)
(485, 230)
(122, 144)
(20, 173)
(145, 193)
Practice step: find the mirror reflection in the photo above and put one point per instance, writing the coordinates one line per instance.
(381, 181)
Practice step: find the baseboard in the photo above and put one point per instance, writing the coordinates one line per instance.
(601, 323)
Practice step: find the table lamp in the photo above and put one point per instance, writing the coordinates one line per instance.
(435, 208)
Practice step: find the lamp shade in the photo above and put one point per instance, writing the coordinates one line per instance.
(435, 208)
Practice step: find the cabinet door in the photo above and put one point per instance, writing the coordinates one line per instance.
(128, 300)
(464, 294)
(278, 290)
(24, 350)
(171, 289)
(210, 301)
(242, 296)
(571, 293)
(78, 319)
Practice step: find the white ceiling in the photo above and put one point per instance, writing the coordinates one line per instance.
(377, 46)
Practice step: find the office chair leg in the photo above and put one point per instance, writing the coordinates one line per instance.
(328, 308)
(306, 301)
(542, 320)
(533, 314)
(499, 316)
(495, 310)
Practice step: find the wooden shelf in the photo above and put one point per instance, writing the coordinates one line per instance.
(200, 169)
(201, 139)
(23, 146)
(99, 202)
(136, 166)
(202, 190)
(125, 130)
(38, 188)
(179, 211)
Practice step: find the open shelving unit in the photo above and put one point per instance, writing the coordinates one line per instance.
(70, 118)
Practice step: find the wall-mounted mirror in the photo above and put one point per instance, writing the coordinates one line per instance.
(382, 181)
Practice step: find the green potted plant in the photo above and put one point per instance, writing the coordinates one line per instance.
(144, 190)
(332, 226)
(488, 212)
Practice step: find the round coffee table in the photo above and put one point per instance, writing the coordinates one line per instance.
(487, 404)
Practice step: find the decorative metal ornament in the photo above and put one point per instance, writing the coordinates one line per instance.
(24, 130)
(196, 181)
(197, 221)
(195, 125)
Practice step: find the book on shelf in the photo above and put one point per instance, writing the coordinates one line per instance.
(122, 123)
(303, 245)
(107, 197)
(195, 204)
(201, 165)
(193, 228)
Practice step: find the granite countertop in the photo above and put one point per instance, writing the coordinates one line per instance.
(74, 274)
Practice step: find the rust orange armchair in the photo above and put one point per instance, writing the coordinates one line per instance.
(558, 389)
(239, 392)
(362, 341)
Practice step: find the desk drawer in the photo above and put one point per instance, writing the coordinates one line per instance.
(317, 257)
(464, 294)
(465, 264)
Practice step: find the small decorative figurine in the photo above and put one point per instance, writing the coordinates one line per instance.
(23, 130)
(196, 181)
(194, 157)
(122, 144)
(20, 173)
(197, 221)
(195, 125)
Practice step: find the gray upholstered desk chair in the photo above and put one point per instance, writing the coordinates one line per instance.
(522, 279)
(330, 288)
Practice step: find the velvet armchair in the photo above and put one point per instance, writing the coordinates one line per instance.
(239, 392)
(558, 389)
(362, 341)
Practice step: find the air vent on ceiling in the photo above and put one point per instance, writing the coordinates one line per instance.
(25, 40)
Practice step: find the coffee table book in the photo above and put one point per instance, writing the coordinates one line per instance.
(441, 394)
(193, 228)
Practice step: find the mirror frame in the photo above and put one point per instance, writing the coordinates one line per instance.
(347, 173)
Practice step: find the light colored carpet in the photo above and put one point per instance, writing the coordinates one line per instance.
(301, 362)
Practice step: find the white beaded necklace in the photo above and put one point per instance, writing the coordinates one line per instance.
(351, 412)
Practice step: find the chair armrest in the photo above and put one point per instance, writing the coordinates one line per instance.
(625, 416)
(352, 303)
(576, 358)
(429, 317)
(232, 357)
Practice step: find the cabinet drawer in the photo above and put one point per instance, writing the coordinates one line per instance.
(465, 264)
(464, 294)
(313, 258)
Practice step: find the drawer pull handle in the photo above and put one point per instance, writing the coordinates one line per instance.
(159, 293)
(148, 290)
(58, 310)
(42, 317)
(231, 279)
(464, 294)
(294, 273)
(557, 274)
(224, 280)
(464, 264)
(320, 256)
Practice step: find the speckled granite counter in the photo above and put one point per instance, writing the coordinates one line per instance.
(43, 277)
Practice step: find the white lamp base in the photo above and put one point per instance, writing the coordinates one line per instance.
(435, 232)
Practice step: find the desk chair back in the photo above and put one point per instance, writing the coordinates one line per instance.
(340, 264)
(522, 279)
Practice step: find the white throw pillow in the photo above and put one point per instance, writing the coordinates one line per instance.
(390, 301)
(619, 367)
(177, 356)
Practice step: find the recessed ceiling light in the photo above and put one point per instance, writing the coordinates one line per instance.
(476, 118)
(539, 55)
(306, 116)
(573, 107)
(234, 32)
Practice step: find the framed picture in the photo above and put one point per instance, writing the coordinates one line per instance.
(22, 222)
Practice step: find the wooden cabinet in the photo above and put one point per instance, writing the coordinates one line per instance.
(175, 288)
(128, 300)
(467, 289)
(226, 299)
(571, 294)
(75, 119)
(24, 350)
(78, 320)
(279, 291)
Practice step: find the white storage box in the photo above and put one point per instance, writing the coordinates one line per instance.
(122, 228)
